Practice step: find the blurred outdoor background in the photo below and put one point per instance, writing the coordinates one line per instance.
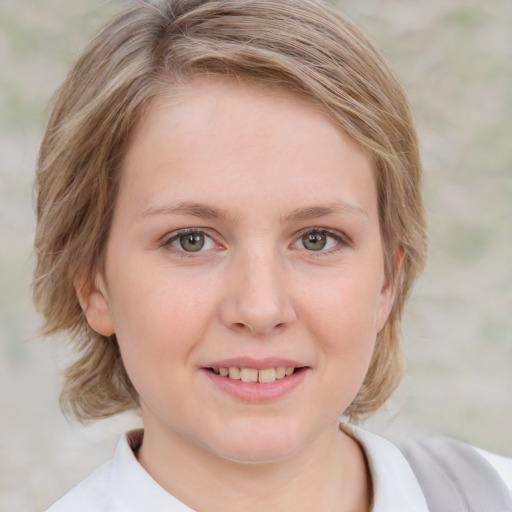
(455, 58)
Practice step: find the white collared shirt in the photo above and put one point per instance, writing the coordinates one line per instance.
(395, 488)
(123, 485)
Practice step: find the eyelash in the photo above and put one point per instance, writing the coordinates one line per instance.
(176, 235)
(341, 241)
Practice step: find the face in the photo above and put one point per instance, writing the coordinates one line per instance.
(244, 274)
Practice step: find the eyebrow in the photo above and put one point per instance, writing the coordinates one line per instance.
(188, 208)
(313, 212)
(204, 211)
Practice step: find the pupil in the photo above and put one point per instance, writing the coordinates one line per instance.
(192, 243)
(314, 241)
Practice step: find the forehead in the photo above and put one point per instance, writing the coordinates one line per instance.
(209, 102)
(201, 137)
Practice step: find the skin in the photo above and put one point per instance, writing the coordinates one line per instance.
(263, 168)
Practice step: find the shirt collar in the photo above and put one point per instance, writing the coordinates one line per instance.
(129, 477)
(395, 488)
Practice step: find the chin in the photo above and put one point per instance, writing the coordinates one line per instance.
(258, 445)
(256, 454)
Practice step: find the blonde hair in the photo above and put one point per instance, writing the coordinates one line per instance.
(304, 46)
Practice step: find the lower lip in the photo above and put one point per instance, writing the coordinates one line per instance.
(256, 392)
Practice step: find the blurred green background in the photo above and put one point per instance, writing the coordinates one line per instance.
(455, 59)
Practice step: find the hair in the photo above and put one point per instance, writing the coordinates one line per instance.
(303, 46)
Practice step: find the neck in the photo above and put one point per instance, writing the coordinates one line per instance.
(330, 474)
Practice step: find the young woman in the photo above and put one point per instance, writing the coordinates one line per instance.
(229, 222)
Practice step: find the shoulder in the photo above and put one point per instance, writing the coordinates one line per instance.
(121, 484)
(92, 493)
(454, 457)
(428, 474)
(502, 465)
(452, 471)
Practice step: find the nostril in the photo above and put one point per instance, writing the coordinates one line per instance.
(240, 326)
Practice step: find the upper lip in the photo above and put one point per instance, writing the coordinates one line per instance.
(258, 364)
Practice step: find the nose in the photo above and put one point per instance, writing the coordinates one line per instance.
(257, 298)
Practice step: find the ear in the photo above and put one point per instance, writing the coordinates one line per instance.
(388, 292)
(93, 298)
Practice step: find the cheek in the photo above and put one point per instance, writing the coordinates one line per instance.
(158, 320)
(342, 316)
(351, 302)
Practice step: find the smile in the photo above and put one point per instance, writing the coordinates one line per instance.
(263, 376)
(256, 381)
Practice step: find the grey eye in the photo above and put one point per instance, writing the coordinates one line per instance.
(314, 241)
(192, 242)
(188, 241)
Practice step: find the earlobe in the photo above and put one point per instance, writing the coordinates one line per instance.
(94, 301)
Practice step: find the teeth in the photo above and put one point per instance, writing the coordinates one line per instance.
(267, 375)
(253, 375)
(280, 372)
(234, 373)
(248, 375)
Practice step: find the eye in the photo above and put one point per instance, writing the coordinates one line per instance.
(319, 240)
(190, 241)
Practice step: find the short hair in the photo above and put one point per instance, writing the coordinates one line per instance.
(304, 46)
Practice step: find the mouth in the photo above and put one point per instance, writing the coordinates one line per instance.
(256, 380)
(262, 376)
